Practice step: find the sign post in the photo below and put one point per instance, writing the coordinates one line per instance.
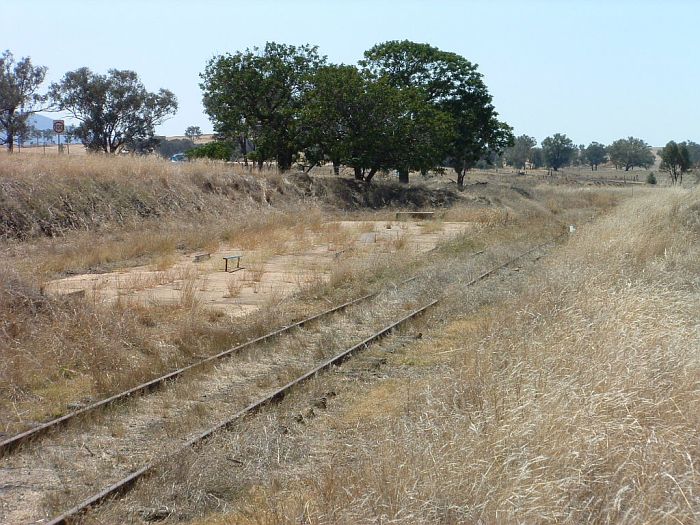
(59, 127)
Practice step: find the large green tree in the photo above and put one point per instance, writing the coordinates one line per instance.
(355, 119)
(595, 154)
(675, 159)
(334, 115)
(256, 95)
(629, 153)
(405, 132)
(19, 97)
(558, 150)
(452, 84)
(114, 110)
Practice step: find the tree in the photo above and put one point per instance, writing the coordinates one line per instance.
(114, 109)
(256, 95)
(629, 153)
(70, 135)
(452, 85)
(36, 135)
(594, 155)
(694, 152)
(19, 82)
(519, 154)
(193, 133)
(47, 135)
(675, 159)
(577, 158)
(354, 119)
(558, 151)
(537, 158)
(409, 133)
(333, 114)
(23, 136)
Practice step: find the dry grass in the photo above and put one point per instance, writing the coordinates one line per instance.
(576, 401)
(56, 352)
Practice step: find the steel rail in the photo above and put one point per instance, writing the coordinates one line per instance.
(128, 482)
(512, 260)
(11, 443)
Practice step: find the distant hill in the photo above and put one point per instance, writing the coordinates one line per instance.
(41, 122)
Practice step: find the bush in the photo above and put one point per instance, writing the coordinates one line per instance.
(213, 150)
(651, 178)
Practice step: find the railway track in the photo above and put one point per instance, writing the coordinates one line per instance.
(66, 465)
(12, 443)
(273, 366)
(127, 482)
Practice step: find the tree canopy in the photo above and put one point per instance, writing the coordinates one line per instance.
(595, 154)
(114, 110)
(694, 152)
(629, 153)
(19, 97)
(193, 133)
(355, 119)
(335, 115)
(452, 84)
(257, 95)
(410, 107)
(675, 159)
(558, 151)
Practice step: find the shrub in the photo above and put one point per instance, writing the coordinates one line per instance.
(651, 178)
(213, 150)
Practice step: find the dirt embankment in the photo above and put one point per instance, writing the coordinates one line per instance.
(44, 200)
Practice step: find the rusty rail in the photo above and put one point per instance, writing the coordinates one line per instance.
(128, 482)
(512, 260)
(10, 444)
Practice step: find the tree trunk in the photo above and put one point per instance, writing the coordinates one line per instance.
(403, 176)
(10, 139)
(460, 180)
(336, 167)
(371, 174)
(284, 161)
(359, 175)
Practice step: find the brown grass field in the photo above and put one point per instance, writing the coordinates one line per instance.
(565, 389)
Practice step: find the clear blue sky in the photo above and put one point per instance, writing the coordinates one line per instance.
(595, 70)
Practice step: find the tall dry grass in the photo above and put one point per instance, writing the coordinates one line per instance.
(577, 401)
